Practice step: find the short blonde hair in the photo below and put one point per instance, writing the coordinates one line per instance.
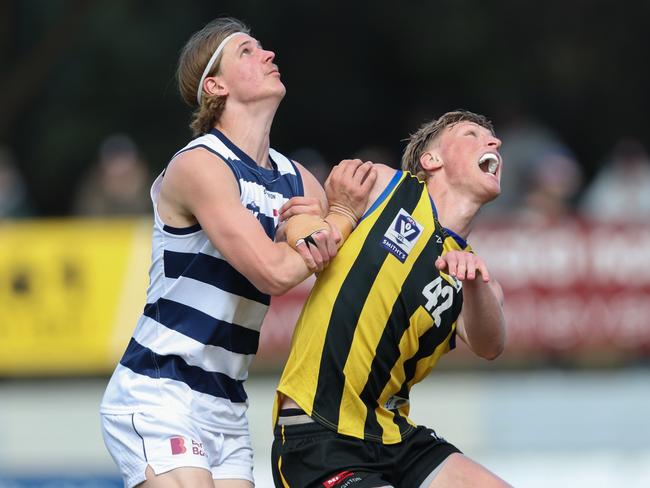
(193, 59)
(420, 140)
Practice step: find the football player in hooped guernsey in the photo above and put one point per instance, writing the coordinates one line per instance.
(402, 288)
(174, 411)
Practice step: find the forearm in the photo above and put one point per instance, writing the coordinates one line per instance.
(281, 271)
(483, 320)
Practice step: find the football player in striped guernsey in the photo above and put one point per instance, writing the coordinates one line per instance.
(400, 291)
(174, 411)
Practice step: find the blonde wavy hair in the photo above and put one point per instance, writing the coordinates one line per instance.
(193, 59)
(420, 141)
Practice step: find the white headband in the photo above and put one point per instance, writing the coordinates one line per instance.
(208, 67)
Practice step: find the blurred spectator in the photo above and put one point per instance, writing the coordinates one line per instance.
(621, 190)
(14, 200)
(378, 154)
(554, 180)
(117, 184)
(314, 161)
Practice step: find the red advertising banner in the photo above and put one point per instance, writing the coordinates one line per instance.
(572, 289)
(572, 286)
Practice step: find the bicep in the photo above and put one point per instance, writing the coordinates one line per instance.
(208, 189)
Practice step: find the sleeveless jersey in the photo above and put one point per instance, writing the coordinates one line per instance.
(200, 328)
(377, 320)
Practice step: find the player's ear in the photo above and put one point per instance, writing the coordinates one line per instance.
(430, 160)
(214, 85)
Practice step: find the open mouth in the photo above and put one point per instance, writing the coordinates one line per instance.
(489, 163)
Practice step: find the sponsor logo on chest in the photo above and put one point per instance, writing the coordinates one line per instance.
(402, 234)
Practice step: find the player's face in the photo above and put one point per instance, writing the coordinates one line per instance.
(249, 72)
(471, 159)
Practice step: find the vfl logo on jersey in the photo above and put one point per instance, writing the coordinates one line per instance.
(402, 235)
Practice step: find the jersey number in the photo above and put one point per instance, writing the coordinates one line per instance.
(435, 293)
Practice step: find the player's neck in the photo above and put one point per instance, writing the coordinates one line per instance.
(249, 128)
(455, 211)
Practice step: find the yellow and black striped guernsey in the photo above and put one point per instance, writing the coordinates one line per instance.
(377, 320)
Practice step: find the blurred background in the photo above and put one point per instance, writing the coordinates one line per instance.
(89, 114)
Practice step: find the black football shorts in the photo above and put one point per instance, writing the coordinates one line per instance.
(308, 455)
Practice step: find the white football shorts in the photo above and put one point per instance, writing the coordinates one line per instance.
(168, 440)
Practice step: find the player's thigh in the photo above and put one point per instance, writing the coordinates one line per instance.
(179, 478)
(234, 465)
(459, 471)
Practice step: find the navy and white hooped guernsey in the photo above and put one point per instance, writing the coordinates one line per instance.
(192, 346)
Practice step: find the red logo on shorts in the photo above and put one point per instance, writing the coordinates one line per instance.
(336, 479)
(178, 445)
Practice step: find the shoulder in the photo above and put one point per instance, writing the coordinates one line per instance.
(312, 187)
(304, 172)
(192, 161)
(301, 168)
(385, 175)
(195, 169)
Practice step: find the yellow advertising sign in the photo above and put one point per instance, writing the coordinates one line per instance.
(71, 292)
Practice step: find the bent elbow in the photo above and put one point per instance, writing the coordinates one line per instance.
(276, 288)
(274, 283)
(496, 346)
(494, 352)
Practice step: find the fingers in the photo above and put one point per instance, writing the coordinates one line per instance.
(349, 185)
(300, 205)
(331, 243)
(485, 274)
(357, 171)
(318, 249)
(348, 167)
(325, 245)
(317, 252)
(363, 171)
(368, 181)
(345, 171)
(336, 235)
(297, 210)
(304, 250)
(463, 266)
(457, 264)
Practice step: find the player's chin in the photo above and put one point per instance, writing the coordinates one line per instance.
(491, 194)
(279, 90)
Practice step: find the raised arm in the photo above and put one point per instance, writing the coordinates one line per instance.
(200, 187)
(481, 324)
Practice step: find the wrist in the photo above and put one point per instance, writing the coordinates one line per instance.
(347, 212)
(343, 224)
